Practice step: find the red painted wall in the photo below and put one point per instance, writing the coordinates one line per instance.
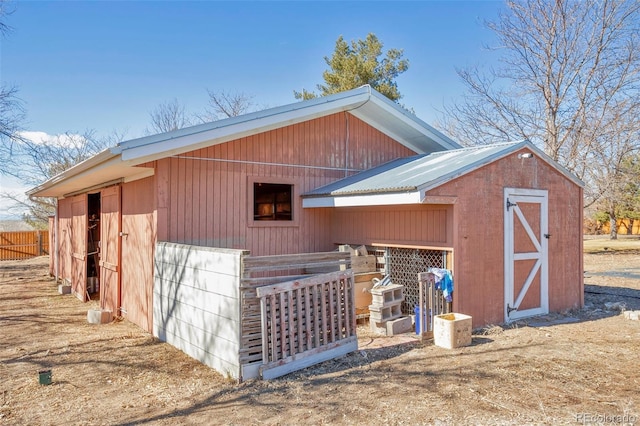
(203, 197)
(479, 235)
(413, 225)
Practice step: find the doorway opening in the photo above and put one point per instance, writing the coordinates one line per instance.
(93, 246)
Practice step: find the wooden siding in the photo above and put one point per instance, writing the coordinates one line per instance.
(23, 244)
(137, 242)
(196, 303)
(203, 196)
(79, 246)
(426, 226)
(479, 235)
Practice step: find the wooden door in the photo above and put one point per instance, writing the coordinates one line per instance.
(79, 228)
(138, 239)
(110, 220)
(526, 253)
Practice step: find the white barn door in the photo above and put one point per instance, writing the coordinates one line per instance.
(525, 253)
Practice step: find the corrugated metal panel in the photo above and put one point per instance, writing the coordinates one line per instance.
(412, 173)
(423, 172)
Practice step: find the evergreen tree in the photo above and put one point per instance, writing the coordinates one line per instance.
(358, 63)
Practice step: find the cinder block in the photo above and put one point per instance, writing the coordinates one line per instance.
(399, 326)
(64, 289)
(98, 316)
(392, 293)
(378, 327)
(385, 313)
(632, 315)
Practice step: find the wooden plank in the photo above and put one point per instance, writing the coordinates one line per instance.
(310, 315)
(308, 358)
(289, 285)
(301, 314)
(262, 281)
(109, 266)
(295, 259)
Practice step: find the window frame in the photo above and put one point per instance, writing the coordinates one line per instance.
(295, 205)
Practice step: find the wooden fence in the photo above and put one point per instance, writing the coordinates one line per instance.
(261, 271)
(306, 321)
(23, 244)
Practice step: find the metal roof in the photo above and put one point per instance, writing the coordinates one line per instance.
(121, 161)
(424, 172)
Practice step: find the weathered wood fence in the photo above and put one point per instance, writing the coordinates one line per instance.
(260, 271)
(306, 321)
(23, 244)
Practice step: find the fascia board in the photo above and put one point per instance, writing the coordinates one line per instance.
(413, 121)
(554, 164)
(79, 168)
(414, 197)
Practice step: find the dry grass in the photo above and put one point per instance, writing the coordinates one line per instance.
(583, 362)
(603, 244)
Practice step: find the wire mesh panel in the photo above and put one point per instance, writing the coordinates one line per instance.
(403, 266)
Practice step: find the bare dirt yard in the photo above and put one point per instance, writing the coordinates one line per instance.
(580, 367)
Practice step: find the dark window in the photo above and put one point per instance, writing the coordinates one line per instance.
(272, 201)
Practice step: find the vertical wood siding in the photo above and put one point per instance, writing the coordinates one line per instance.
(426, 225)
(203, 196)
(479, 235)
(138, 240)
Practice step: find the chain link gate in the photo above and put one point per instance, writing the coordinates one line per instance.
(403, 266)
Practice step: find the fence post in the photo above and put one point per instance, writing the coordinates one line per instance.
(39, 242)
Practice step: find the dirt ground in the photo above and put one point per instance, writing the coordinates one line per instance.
(573, 368)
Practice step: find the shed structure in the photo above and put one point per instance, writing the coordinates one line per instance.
(510, 215)
(177, 231)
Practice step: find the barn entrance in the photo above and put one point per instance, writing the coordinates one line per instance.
(93, 246)
(526, 253)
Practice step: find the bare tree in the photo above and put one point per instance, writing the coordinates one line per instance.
(167, 117)
(11, 109)
(38, 157)
(568, 80)
(226, 105)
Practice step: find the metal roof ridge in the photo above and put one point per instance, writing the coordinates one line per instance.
(251, 116)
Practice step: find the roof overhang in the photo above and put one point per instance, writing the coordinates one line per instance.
(100, 170)
(364, 103)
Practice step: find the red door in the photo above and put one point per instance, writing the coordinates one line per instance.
(110, 226)
(138, 239)
(79, 226)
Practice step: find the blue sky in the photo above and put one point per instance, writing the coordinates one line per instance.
(104, 65)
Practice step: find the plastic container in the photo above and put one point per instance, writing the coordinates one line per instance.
(45, 377)
(452, 330)
(420, 322)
